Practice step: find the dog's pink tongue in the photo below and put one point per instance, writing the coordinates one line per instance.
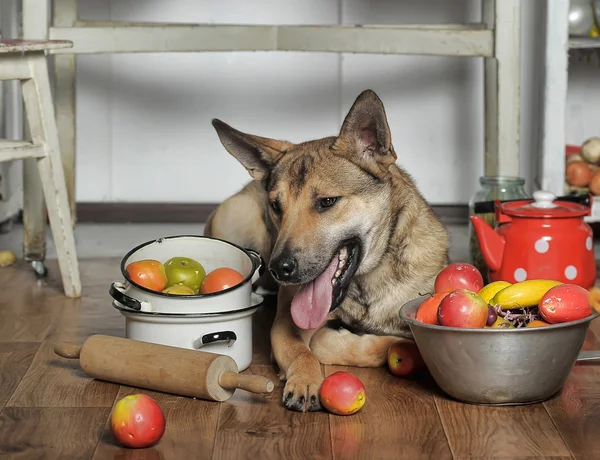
(312, 302)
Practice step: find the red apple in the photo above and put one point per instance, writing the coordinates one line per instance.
(404, 358)
(148, 273)
(458, 276)
(565, 302)
(463, 308)
(342, 393)
(137, 421)
(427, 312)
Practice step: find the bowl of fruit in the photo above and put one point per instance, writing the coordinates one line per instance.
(191, 292)
(501, 343)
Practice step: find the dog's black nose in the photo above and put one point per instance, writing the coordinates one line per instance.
(284, 268)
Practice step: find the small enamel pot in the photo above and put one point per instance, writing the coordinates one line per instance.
(219, 322)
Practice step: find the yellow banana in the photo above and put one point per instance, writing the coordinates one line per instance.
(501, 324)
(490, 290)
(523, 294)
(594, 298)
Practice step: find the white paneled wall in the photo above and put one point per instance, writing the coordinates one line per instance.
(144, 131)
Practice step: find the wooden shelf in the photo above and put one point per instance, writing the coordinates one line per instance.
(595, 217)
(419, 39)
(584, 42)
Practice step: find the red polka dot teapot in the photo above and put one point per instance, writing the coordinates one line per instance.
(543, 238)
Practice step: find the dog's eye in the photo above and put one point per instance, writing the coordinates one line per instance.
(325, 203)
(276, 207)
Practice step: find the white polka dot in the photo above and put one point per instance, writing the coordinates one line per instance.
(520, 275)
(541, 246)
(571, 272)
(589, 243)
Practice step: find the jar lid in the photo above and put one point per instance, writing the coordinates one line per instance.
(543, 205)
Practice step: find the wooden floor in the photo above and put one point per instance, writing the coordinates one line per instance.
(50, 410)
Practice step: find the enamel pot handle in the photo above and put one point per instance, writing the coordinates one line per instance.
(116, 292)
(215, 337)
(256, 300)
(258, 264)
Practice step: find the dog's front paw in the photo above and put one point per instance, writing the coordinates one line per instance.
(301, 394)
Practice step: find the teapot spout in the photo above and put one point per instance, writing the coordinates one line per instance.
(490, 243)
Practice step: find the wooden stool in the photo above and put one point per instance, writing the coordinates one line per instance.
(25, 60)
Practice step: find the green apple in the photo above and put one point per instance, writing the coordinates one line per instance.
(179, 289)
(186, 271)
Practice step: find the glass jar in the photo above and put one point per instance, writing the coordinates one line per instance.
(492, 188)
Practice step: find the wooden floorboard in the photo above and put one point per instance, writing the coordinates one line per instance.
(52, 381)
(256, 427)
(50, 432)
(50, 409)
(15, 359)
(189, 432)
(506, 432)
(398, 421)
(576, 410)
(28, 309)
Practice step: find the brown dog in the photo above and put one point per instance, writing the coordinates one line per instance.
(347, 237)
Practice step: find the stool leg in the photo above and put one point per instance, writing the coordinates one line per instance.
(34, 210)
(42, 124)
(34, 217)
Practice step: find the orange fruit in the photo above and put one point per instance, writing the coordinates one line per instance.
(427, 312)
(148, 273)
(537, 323)
(220, 279)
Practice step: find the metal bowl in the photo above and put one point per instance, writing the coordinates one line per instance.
(498, 366)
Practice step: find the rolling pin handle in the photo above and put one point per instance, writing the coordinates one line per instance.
(252, 383)
(67, 350)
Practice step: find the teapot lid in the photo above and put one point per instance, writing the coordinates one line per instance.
(544, 205)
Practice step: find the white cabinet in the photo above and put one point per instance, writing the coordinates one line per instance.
(556, 77)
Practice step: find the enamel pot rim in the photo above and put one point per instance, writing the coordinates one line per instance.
(254, 257)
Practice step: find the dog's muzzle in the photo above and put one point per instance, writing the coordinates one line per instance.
(284, 268)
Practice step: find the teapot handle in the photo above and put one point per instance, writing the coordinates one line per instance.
(481, 207)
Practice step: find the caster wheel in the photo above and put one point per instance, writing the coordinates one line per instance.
(39, 268)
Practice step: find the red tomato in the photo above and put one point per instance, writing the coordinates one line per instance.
(427, 312)
(148, 273)
(565, 302)
(220, 279)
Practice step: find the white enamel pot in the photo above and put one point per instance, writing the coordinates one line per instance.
(219, 322)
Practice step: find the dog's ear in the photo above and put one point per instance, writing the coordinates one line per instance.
(256, 154)
(365, 136)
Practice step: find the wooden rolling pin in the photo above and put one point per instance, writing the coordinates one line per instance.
(179, 371)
